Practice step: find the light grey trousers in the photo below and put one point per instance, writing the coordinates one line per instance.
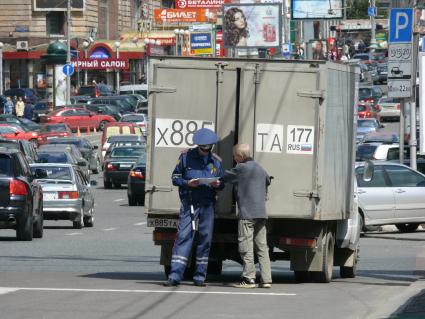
(252, 237)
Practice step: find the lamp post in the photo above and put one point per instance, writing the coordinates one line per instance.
(181, 32)
(176, 34)
(1, 68)
(85, 46)
(187, 42)
(117, 46)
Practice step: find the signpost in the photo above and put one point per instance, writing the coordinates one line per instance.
(372, 11)
(68, 69)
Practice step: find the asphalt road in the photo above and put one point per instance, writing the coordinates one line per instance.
(113, 271)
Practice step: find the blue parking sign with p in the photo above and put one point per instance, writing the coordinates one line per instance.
(401, 25)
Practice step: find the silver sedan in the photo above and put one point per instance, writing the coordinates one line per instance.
(66, 193)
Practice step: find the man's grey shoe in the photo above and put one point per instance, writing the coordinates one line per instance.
(245, 283)
(170, 283)
(265, 285)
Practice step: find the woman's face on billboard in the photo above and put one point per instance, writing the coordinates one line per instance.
(239, 20)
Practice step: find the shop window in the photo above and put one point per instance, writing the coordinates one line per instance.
(168, 4)
(55, 22)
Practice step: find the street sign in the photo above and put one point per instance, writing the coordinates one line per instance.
(68, 69)
(400, 53)
(372, 11)
(401, 25)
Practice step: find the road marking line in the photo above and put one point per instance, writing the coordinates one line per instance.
(188, 292)
(140, 224)
(73, 234)
(4, 291)
(118, 200)
(109, 229)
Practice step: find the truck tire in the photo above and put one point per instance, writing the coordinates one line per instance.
(302, 276)
(24, 229)
(349, 272)
(132, 201)
(215, 267)
(407, 228)
(325, 276)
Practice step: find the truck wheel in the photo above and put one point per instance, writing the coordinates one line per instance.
(302, 276)
(38, 226)
(24, 229)
(215, 267)
(325, 275)
(349, 272)
(407, 228)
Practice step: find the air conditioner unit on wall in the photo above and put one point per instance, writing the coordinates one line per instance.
(22, 45)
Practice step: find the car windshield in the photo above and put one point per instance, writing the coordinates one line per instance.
(127, 152)
(361, 108)
(364, 93)
(55, 128)
(366, 123)
(142, 159)
(52, 157)
(52, 172)
(78, 143)
(133, 118)
(365, 152)
(125, 143)
(4, 164)
(386, 100)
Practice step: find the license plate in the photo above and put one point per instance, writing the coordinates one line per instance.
(50, 196)
(162, 222)
(51, 137)
(125, 165)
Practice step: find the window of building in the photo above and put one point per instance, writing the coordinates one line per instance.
(137, 9)
(103, 16)
(167, 4)
(55, 22)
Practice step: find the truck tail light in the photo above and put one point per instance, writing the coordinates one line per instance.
(163, 236)
(398, 106)
(137, 174)
(68, 195)
(17, 187)
(303, 242)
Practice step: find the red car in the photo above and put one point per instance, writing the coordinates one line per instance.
(365, 111)
(17, 133)
(77, 118)
(51, 131)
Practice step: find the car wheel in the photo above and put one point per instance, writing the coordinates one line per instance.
(102, 125)
(79, 223)
(24, 229)
(97, 169)
(407, 228)
(38, 226)
(131, 200)
(107, 184)
(89, 220)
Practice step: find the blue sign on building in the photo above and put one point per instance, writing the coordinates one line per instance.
(68, 69)
(401, 25)
(200, 42)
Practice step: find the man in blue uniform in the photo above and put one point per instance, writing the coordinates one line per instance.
(197, 175)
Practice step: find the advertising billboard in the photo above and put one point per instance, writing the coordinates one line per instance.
(252, 25)
(316, 9)
(57, 5)
(205, 4)
(201, 43)
(183, 15)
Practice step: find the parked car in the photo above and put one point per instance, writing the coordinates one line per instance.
(136, 183)
(75, 153)
(95, 90)
(80, 99)
(374, 151)
(394, 196)
(66, 194)
(118, 128)
(106, 109)
(382, 72)
(123, 140)
(53, 131)
(28, 95)
(134, 89)
(87, 150)
(21, 197)
(22, 122)
(366, 111)
(27, 148)
(389, 109)
(139, 119)
(381, 137)
(118, 164)
(366, 125)
(40, 108)
(125, 103)
(370, 94)
(18, 133)
(78, 118)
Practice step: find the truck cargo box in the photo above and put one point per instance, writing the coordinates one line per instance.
(298, 117)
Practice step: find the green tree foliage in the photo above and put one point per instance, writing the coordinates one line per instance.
(357, 9)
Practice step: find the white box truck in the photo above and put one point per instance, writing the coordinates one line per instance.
(298, 117)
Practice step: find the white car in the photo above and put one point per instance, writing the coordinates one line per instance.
(394, 196)
(389, 109)
(376, 151)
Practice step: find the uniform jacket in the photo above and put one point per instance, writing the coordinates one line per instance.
(28, 111)
(192, 165)
(251, 181)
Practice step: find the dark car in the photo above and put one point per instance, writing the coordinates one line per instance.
(95, 90)
(136, 183)
(382, 72)
(28, 95)
(88, 151)
(381, 137)
(370, 94)
(41, 108)
(124, 103)
(23, 122)
(118, 164)
(106, 109)
(79, 99)
(25, 147)
(21, 199)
